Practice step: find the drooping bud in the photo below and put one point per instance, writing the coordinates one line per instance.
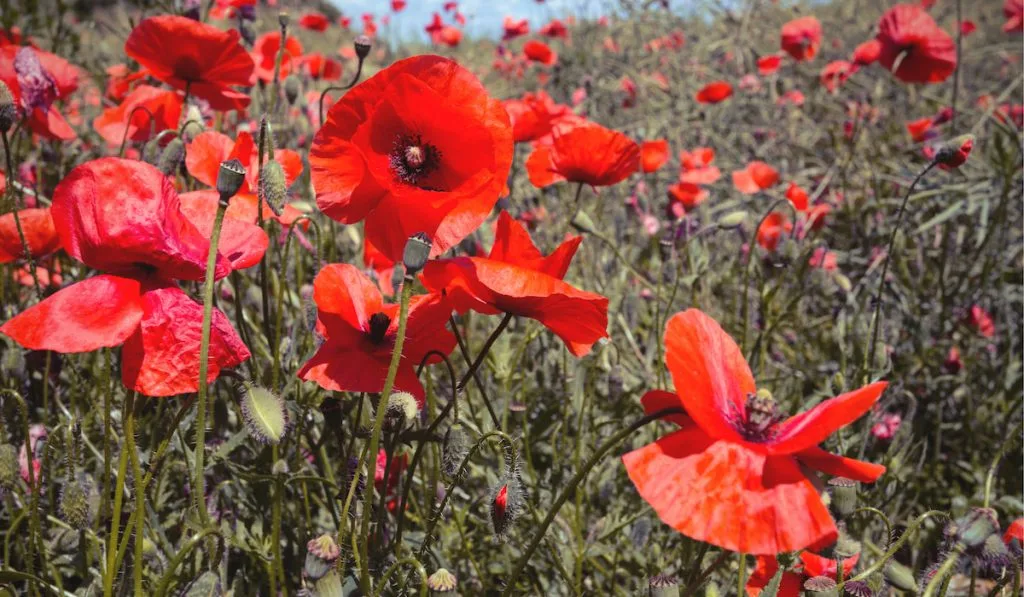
(442, 582)
(582, 222)
(321, 555)
(506, 505)
(663, 585)
(899, 576)
(274, 186)
(996, 557)
(416, 253)
(230, 178)
(8, 466)
(8, 111)
(844, 496)
(846, 546)
(362, 45)
(171, 157)
(953, 153)
(454, 450)
(292, 88)
(265, 414)
(821, 586)
(733, 219)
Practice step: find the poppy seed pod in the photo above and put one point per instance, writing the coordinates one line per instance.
(230, 178)
(844, 496)
(283, 19)
(442, 582)
(171, 157)
(274, 185)
(663, 585)
(857, 588)
(416, 253)
(8, 111)
(265, 414)
(821, 586)
(362, 45)
(321, 555)
(292, 88)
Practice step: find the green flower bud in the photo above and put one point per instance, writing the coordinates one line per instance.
(454, 449)
(976, 526)
(274, 185)
(8, 466)
(265, 414)
(582, 222)
(733, 219)
(79, 502)
(171, 157)
(292, 89)
(8, 111)
(900, 576)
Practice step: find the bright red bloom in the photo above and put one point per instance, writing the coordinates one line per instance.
(133, 116)
(434, 28)
(450, 36)
(418, 147)
(1014, 531)
(515, 278)
(314, 21)
(768, 65)
(123, 218)
(398, 5)
(35, 87)
(810, 565)
(771, 230)
(321, 68)
(733, 475)
(686, 195)
(793, 97)
(514, 28)
(797, 196)
(921, 129)
(555, 28)
(824, 259)
(588, 153)
(265, 52)
(40, 235)
(538, 51)
(836, 73)
(715, 92)
(187, 54)
(801, 38)
(535, 115)
(359, 332)
(755, 177)
(1013, 10)
(653, 155)
(696, 166)
(967, 27)
(980, 319)
(914, 48)
(867, 52)
(120, 80)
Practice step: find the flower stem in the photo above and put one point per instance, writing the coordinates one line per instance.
(371, 454)
(140, 501)
(199, 480)
(115, 519)
(17, 217)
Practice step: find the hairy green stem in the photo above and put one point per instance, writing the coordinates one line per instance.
(115, 518)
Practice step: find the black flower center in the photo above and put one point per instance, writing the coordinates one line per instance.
(412, 160)
(762, 415)
(379, 324)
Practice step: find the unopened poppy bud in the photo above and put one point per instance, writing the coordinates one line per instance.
(265, 414)
(280, 467)
(506, 505)
(899, 576)
(582, 222)
(974, 528)
(953, 153)
(151, 151)
(77, 503)
(821, 586)
(454, 450)
(8, 466)
(402, 409)
(857, 588)
(8, 111)
(274, 186)
(663, 585)
(292, 88)
(416, 253)
(844, 496)
(194, 116)
(247, 33)
(207, 584)
(283, 19)
(995, 556)
(362, 45)
(321, 555)
(230, 178)
(733, 219)
(442, 582)
(171, 157)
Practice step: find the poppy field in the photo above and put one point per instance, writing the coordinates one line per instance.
(652, 298)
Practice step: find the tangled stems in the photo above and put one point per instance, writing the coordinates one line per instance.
(199, 480)
(165, 581)
(382, 406)
(870, 352)
(602, 450)
(411, 561)
(895, 547)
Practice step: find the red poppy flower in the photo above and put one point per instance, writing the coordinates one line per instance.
(513, 28)
(793, 97)
(204, 155)
(684, 196)
(967, 27)
(515, 278)
(538, 51)
(696, 166)
(715, 92)
(921, 129)
(801, 38)
(867, 53)
(40, 235)
(824, 259)
(772, 229)
(34, 89)
(144, 113)
(534, 116)
(810, 566)
(836, 73)
(733, 475)
(1015, 531)
(555, 28)
(653, 155)
(768, 65)
(914, 47)
(450, 36)
(359, 332)
(1013, 10)
(314, 21)
(190, 55)
(265, 52)
(398, 5)
(321, 68)
(120, 80)
(123, 218)
(797, 196)
(434, 28)
(754, 178)
(418, 147)
(982, 321)
(587, 153)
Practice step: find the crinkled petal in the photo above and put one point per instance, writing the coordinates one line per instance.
(810, 428)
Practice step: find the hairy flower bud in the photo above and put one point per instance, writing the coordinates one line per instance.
(79, 502)
(8, 466)
(321, 555)
(8, 111)
(974, 528)
(454, 449)
(506, 505)
(230, 177)
(899, 576)
(442, 582)
(265, 414)
(416, 253)
(274, 186)
(292, 88)
(401, 410)
(171, 157)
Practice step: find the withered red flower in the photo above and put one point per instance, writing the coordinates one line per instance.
(715, 92)
(359, 331)
(586, 153)
(190, 55)
(143, 114)
(516, 278)
(914, 48)
(653, 155)
(801, 38)
(733, 475)
(124, 219)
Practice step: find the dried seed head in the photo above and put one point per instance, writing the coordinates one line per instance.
(821, 586)
(362, 45)
(274, 186)
(843, 492)
(321, 555)
(171, 157)
(8, 111)
(416, 253)
(265, 414)
(663, 585)
(857, 588)
(442, 582)
(230, 178)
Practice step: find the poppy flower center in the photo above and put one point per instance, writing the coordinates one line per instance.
(412, 160)
(379, 324)
(762, 415)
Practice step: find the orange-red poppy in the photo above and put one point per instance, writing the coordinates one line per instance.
(450, 36)
(587, 153)
(733, 474)
(265, 52)
(359, 330)
(809, 566)
(190, 55)
(772, 229)
(797, 196)
(836, 73)
(513, 28)
(867, 53)
(686, 196)
(914, 48)
(40, 235)
(921, 129)
(715, 92)
(538, 51)
(516, 278)
(145, 112)
(314, 21)
(755, 177)
(555, 28)
(768, 65)
(418, 147)
(534, 116)
(801, 38)
(321, 68)
(653, 155)
(695, 166)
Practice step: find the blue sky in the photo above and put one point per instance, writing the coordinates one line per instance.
(484, 17)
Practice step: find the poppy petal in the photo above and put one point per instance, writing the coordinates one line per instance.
(37, 226)
(341, 367)
(204, 155)
(512, 244)
(241, 243)
(810, 428)
(840, 466)
(98, 312)
(162, 357)
(345, 291)
(658, 400)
